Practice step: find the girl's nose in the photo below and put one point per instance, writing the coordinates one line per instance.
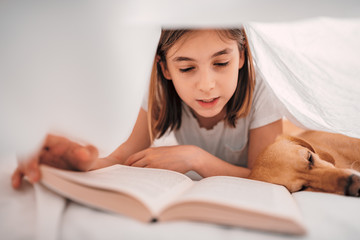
(206, 81)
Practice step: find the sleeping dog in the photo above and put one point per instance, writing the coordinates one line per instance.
(313, 160)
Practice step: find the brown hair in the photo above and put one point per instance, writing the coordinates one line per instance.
(165, 105)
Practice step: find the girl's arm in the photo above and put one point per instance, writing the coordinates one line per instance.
(137, 141)
(62, 153)
(209, 165)
(260, 138)
(183, 158)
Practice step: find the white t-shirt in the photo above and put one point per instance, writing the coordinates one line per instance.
(228, 143)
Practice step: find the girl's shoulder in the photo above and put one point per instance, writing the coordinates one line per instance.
(262, 89)
(266, 107)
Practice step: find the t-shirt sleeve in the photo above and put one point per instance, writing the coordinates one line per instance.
(266, 107)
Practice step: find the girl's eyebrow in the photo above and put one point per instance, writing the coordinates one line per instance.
(181, 59)
(222, 52)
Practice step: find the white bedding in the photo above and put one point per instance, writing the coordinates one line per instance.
(40, 214)
(312, 66)
(67, 65)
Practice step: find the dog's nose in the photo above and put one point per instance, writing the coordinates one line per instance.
(353, 186)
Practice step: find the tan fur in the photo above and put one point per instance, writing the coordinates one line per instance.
(334, 167)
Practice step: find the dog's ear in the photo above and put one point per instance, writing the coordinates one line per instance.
(300, 142)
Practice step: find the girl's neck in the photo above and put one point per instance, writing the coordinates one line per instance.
(210, 122)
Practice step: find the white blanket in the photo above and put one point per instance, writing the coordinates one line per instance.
(81, 67)
(41, 214)
(313, 68)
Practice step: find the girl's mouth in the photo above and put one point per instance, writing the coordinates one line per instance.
(208, 103)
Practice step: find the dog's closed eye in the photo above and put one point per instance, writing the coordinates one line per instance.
(310, 159)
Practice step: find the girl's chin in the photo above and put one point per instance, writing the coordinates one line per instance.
(209, 113)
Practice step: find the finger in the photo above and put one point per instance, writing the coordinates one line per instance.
(57, 145)
(134, 158)
(16, 178)
(140, 163)
(94, 153)
(84, 157)
(31, 169)
(80, 154)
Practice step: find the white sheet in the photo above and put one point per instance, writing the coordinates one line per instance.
(327, 216)
(81, 68)
(313, 68)
(68, 65)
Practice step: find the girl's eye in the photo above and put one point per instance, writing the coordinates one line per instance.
(221, 64)
(186, 69)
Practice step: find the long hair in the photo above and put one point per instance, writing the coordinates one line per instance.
(165, 105)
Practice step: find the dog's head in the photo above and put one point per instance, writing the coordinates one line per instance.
(293, 163)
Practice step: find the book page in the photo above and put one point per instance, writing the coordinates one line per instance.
(243, 193)
(153, 187)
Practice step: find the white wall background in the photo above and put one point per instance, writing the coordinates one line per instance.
(76, 68)
(79, 68)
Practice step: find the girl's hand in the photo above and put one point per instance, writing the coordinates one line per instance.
(58, 152)
(181, 158)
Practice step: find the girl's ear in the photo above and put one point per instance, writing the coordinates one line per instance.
(165, 70)
(242, 59)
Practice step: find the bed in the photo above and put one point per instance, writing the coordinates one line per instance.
(49, 49)
(37, 213)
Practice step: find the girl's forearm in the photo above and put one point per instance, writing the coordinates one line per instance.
(138, 140)
(208, 165)
(104, 162)
(116, 157)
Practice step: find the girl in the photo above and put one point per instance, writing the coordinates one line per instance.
(203, 89)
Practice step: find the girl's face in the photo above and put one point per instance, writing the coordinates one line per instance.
(204, 68)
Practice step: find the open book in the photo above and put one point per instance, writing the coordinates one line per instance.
(153, 195)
